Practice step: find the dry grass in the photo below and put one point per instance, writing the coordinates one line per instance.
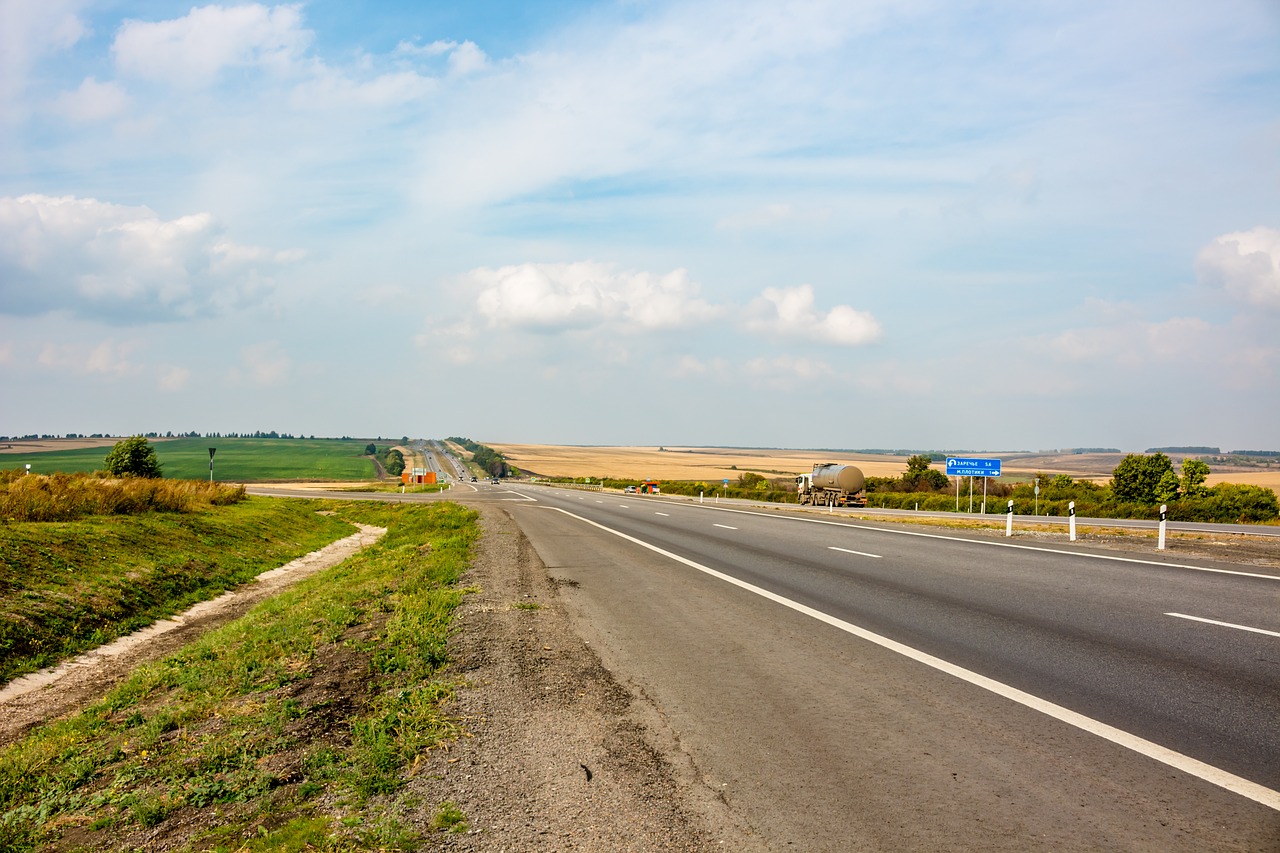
(63, 497)
(682, 463)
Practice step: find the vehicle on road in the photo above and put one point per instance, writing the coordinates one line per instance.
(838, 485)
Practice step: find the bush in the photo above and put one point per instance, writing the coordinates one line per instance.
(132, 457)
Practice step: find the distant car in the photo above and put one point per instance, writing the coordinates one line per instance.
(495, 481)
(631, 490)
(473, 479)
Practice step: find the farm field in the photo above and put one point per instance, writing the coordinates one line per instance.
(711, 463)
(682, 463)
(238, 460)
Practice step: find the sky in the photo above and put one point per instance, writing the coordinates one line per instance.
(916, 224)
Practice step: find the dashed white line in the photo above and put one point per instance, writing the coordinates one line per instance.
(725, 526)
(1225, 624)
(663, 514)
(859, 553)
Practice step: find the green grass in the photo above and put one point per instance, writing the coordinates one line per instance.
(69, 586)
(238, 460)
(227, 744)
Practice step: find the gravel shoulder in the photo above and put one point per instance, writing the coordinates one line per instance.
(557, 755)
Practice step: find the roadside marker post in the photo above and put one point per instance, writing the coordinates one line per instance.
(1164, 514)
(1008, 523)
(1071, 509)
(212, 450)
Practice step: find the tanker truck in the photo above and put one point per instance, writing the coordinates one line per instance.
(839, 485)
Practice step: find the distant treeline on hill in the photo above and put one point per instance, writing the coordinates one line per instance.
(486, 457)
(192, 434)
(1200, 451)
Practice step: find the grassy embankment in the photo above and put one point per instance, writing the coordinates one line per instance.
(66, 586)
(238, 460)
(277, 732)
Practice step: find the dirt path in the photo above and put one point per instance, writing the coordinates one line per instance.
(51, 693)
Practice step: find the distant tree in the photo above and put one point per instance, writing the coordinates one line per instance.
(371, 449)
(1194, 474)
(393, 462)
(751, 480)
(917, 465)
(1137, 478)
(132, 457)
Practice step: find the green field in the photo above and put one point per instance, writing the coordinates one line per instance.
(238, 460)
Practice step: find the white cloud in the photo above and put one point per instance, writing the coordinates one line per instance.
(173, 378)
(1176, 343)
(29, 31)
(1245, 265)
(586, 294)
(122, 264)
(789, 313)
(110, 357)
(263, 364)
(92, 101)
(785, 367)
(194, 49)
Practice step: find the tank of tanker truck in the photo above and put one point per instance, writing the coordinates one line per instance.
(845, 478)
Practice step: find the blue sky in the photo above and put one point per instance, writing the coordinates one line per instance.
(817, 224)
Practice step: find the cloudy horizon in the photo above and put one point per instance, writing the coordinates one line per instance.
(818, 224)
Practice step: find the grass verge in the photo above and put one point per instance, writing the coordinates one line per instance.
(70, 586)
(291, 728)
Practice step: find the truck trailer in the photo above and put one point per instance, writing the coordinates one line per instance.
(837, 485)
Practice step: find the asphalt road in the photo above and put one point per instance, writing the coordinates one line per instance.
(845, 685)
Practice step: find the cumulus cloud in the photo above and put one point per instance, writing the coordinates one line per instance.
(92, 101)
(123, 264)
(463, 58)
(788, 312)
(1245, 265)
(555, 297)
(194, 49)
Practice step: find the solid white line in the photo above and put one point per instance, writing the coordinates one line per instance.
(725, 526)
(1225, 624)
(994, 544)
(847, 551)
(1185, 763)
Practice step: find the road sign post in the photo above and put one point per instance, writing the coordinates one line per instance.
(962, 467)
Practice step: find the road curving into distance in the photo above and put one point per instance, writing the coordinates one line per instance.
(848, 685)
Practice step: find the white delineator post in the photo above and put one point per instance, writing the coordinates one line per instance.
(1008, 522)
(1164, 512)
(1071, 507)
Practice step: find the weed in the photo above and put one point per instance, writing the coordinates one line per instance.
(449, 818)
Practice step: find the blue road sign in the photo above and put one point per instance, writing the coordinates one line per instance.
(959, 466)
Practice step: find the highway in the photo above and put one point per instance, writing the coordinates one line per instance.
(849, 685)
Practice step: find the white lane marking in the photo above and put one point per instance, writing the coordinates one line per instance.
(623, 506)
(1225, 624)
(999, 544)
(725, 526)
(665, 515)
(847, 551)
(1185, 763)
